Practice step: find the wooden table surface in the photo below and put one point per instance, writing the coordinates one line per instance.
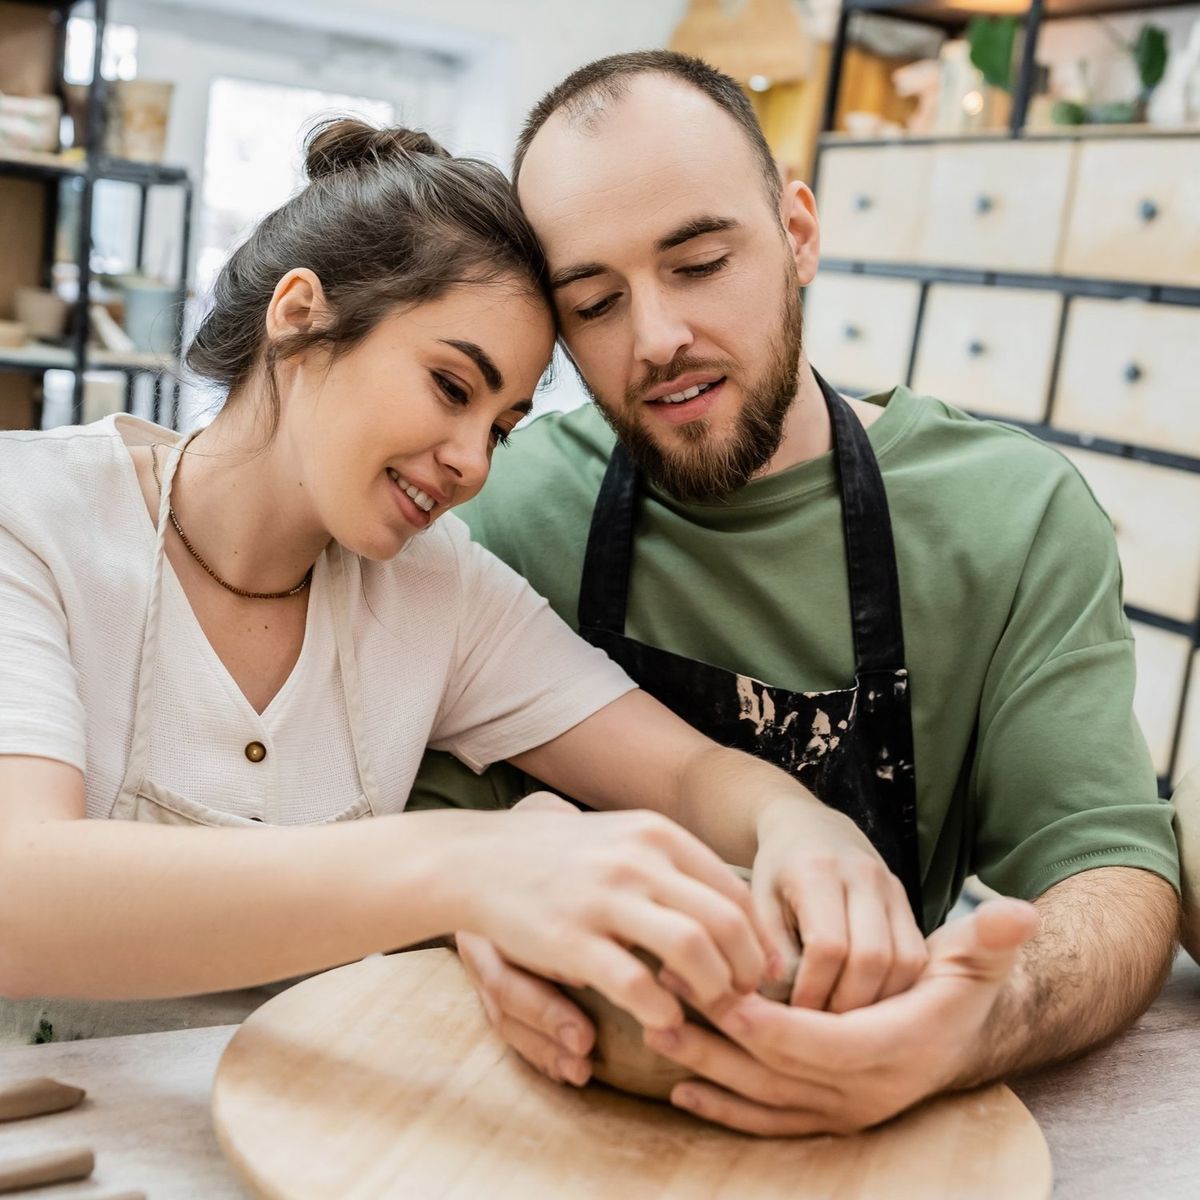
(1121, 1123)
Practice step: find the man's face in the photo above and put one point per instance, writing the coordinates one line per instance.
(672, 273)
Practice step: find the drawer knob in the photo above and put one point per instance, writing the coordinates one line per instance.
(1132, 372)
(984, 204)
(1148, 210)
(975, 348)
(851, 333)
(862, 202)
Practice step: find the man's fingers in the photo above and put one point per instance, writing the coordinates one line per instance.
(821, 916)
(984, 945)
(511, 994)
(869, 954)
(714, 1104)
(720, 1061)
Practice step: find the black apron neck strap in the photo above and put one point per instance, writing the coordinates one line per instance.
(604, 588)
(870, 550)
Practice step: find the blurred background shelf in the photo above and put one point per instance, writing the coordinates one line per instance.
(1044, 276)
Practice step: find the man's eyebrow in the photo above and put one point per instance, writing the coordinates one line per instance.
(696, 227)
(569, 275)
(480, 357)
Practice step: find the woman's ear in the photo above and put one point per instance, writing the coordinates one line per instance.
(297, 305)
(798, 214)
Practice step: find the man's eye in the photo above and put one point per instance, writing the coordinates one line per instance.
(596, 310)
(450, 388)
(701, 269)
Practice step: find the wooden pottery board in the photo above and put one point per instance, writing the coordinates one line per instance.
(384, 1079)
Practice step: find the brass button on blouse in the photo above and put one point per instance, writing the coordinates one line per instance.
(256, 752)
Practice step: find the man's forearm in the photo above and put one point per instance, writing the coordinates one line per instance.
(1103, 950)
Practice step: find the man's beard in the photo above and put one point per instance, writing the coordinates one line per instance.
(706, 467)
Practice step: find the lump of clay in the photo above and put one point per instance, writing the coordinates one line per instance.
(623, 1060)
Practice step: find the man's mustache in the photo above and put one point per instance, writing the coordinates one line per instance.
(657, 376)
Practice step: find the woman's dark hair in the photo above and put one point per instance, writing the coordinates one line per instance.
(387, 219)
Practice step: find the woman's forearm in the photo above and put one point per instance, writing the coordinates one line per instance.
(726, 798)
(115, 909)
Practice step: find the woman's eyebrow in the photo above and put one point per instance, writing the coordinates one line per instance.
(480, 357)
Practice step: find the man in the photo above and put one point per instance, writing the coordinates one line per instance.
(917, 613)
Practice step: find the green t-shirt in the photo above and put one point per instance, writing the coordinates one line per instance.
(1030, 766)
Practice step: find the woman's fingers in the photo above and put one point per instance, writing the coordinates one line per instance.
(715, 925)
(628, 983)
(821, 917)
(514, 996)
(692, 857)
(911, 954)
(869, 952)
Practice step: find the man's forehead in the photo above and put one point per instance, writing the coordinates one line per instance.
(651, 161)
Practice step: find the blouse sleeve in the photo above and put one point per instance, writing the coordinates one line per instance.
(41, 713)
(521, 676)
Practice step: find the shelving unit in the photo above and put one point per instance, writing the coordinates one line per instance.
(899, 277)
(82, 168)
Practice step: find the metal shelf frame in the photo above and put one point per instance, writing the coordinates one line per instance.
(97, 167)
(954, 17)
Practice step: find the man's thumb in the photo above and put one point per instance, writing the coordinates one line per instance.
(986, 942)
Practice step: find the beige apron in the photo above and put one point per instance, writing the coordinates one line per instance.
(141, 799)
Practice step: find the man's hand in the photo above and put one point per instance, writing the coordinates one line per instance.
(791, 1071)
(817, 876)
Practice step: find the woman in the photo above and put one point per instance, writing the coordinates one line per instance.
(241, 631)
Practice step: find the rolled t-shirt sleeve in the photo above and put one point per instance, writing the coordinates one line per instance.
(521, 676)
(1063, 781)
(41, 713)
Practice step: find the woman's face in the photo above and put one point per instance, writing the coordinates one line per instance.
(402, 427)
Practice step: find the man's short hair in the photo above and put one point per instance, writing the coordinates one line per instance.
(585, 94)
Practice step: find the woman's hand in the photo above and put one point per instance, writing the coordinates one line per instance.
(819, 881)
(565, 894)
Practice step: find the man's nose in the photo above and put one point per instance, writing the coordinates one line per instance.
(659, 330)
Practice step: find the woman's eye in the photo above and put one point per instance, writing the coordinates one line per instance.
(500, 435)
(451, 389)
(596, 310)
(701, 269)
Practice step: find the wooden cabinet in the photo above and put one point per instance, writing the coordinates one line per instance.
(1156, 514)
(872, 202)
(1131, 373)
(1136, 212)
(1163, 660)
(1187, 757)
(989, 349)
(997, 206)
(858, 331)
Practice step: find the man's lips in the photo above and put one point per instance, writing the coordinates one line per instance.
(681, 384)
(683, 411)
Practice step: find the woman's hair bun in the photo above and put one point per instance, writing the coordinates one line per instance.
(345, 144)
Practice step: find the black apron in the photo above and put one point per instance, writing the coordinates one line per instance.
(853, 748)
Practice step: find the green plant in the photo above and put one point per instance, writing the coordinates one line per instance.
(1150, 54)
(992, 40)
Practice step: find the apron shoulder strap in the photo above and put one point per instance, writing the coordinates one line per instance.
(604, 588)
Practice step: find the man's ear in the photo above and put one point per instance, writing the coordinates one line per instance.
(297, 305)
(798, 214)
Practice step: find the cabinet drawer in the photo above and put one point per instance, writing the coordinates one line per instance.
(1156, 514)
(989, 349)
(997, 206)
(1163, 660)
(1188, 758)
(858, 331)
(871, 202)
(1136, 212)
(1129, 372)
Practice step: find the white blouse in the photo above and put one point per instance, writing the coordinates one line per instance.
(453, 650)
